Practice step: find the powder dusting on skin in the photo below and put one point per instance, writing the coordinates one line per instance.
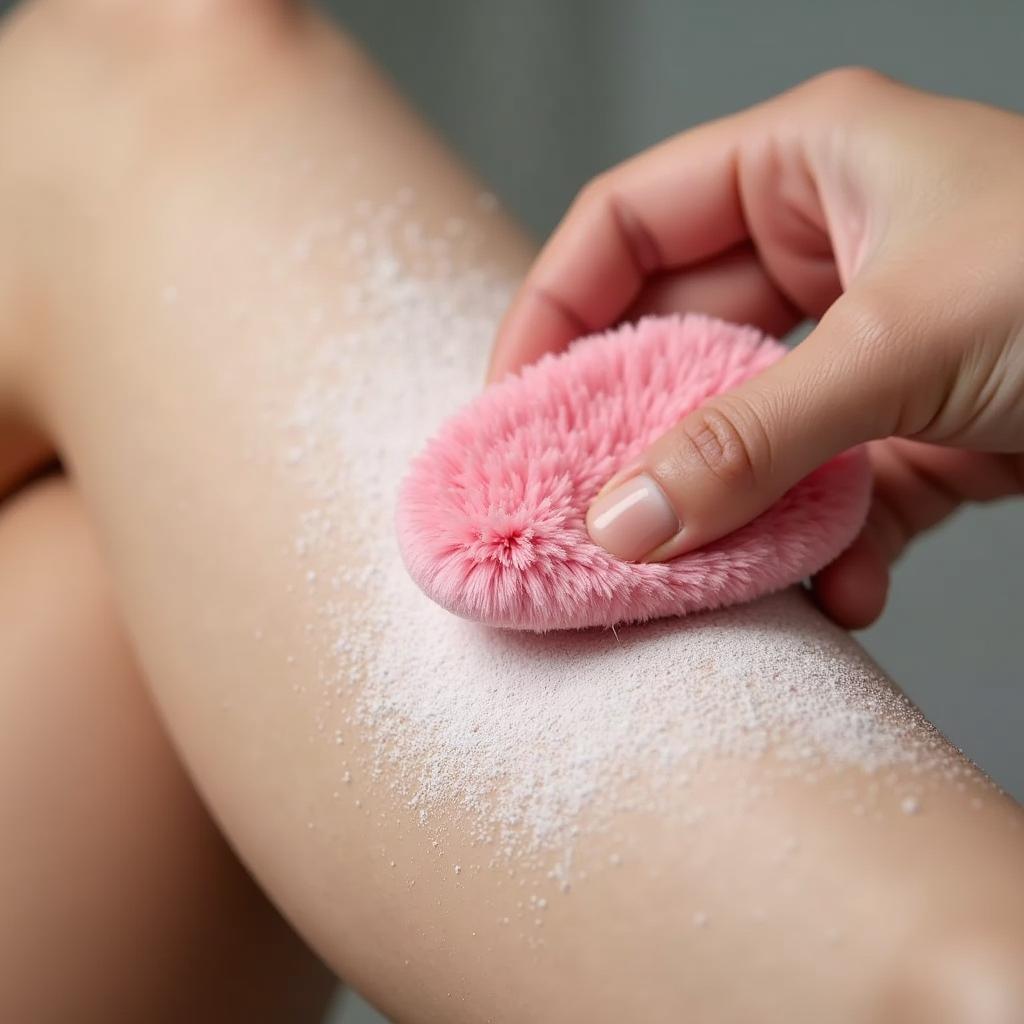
(528, 740)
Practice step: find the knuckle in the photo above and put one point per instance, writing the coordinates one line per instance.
(862, 318)
(868, 348)
(894, 348)
(727, 440)
(848, 79)
(848, 90)
(871, 322)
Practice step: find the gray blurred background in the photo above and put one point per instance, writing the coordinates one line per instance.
(540, 95)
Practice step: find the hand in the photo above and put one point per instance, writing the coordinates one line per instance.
(895, 217)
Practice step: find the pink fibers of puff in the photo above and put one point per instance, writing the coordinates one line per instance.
(491, 517)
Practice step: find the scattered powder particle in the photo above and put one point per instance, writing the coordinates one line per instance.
(910, 805)
(458, 869)
(532, 738)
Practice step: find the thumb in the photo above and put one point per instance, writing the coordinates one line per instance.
(728, 460)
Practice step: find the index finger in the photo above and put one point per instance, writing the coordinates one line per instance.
(674, 205)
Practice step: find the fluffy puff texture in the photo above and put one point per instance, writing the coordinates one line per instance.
(491, 517)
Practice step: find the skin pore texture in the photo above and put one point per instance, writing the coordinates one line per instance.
(273, 286)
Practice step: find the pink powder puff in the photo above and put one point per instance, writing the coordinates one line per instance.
(491, 517)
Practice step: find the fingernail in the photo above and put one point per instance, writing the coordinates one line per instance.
(632, 519)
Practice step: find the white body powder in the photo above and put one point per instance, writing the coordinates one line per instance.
(529, 737)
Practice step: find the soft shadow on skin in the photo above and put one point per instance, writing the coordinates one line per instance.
(572, 643)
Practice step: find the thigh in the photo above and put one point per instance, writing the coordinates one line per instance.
(121, 901)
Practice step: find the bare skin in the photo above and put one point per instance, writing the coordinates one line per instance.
(152, 338)
(109, 857)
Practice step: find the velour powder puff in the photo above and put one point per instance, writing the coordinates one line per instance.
(491, 517)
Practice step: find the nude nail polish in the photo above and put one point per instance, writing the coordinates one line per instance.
(632, 519)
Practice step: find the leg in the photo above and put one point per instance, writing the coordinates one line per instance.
(468, 825)
(121, 901)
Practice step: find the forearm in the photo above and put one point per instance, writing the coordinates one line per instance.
(532, 820)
